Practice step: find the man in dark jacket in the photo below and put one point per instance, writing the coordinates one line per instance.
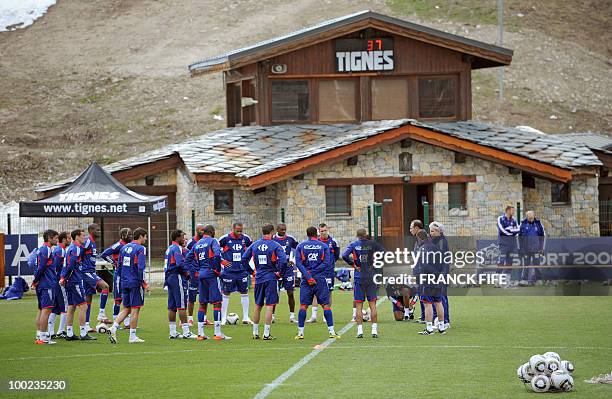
(532, 240)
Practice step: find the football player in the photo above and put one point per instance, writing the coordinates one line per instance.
(176, 271)
(111, 255)
(71, 278)
(359, 254)
(329, 277)
(207, 259)
(269, 259)
(288, 243)
(313, 259)
(132, 265)
(401, 301)
(61, 299)
(193, 280)
(91, 281)
(234, 277)
(45, 281)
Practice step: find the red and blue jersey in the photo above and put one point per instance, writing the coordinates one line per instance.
(72, 270)
(207, 257)
(288, 242)
(313, 259)
(174, 260)
(362, 252)
(58, 254)
(232, 249)
(45, 274)
(111, 254)
(269, 258)
(132, 265)
(90, 254)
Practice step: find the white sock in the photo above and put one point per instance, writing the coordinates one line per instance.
(406, 312)
(266, 330)
(190, 319)
(87, 325)
(359, 329)
(201, 328)
(315, 310)
(255, 329)
(44, 336)
(354, 312)
(429, 326)
(38, 334)
(300, 330)
(205, 317)
(126, 322)
(51, 324)
(172, 328)
(115, 327)
(102, 312)
(441, 326)
(224, 306)
(132, 333)
(217, 327)
(435, 322)
(244, 300)
(374, 328)
(69, 331)
(291, 316)
(330, 329)
(185, 328)
(83, 330)
(62, 326)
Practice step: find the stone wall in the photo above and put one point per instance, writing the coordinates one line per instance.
(166, 178)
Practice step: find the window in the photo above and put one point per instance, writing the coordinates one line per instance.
(437, 97)
(560, 193)
(405, 162)
(224, 201)
(338, 200)
(234, 107)
(337, 100)
(457, 196)
(290, 100)
(459, 157)
(389, 98)
(528, 180)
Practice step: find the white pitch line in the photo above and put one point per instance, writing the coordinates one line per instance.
(304, 361)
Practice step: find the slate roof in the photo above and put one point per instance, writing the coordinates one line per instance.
(594, 141)
(252, 150)
(212, 63)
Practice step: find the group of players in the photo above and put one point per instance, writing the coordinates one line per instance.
(212, 269)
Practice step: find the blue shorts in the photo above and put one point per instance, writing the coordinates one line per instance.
(320, 290)
(46, 298)
(117, 287)
(61, 300)
(90, 282)
(395, 307)
(431, 298)
(287, 282)
(232, 283)
(210, 290)
(75, 294)
(370, 294)
(266, 293)
(133, 297)
(177, 294)
(194, 285)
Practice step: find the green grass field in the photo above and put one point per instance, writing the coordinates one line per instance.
(490, 337)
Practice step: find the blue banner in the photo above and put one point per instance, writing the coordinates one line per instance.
(15, 254)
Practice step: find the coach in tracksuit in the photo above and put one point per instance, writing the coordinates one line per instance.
(507, 229)
(436, 230)
(532, 240)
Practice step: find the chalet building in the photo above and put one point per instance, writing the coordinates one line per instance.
(325, 121)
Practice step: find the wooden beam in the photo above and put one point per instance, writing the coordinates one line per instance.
(385, 180)
(605, 180)
(153, 190)
(148, 169)
(219, 180)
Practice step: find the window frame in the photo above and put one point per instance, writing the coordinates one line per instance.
(218, 211)
(349, 199)
(311, 94)
(405, 77)
(463, 205)
(455, 78)
(357, 99)
(568, 201)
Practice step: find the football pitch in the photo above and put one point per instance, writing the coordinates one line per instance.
(478, 357)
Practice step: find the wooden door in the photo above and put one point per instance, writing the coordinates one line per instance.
(391, 196)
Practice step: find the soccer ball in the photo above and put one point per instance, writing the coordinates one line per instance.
(524, 373)
(552, 365)
(567, 366)
(537, 363)
(365, 314)
(540, 383)
(553, 354)
(562, 381)
(232, 318)
(101, 328)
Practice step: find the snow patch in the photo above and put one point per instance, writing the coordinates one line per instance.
(16, 14)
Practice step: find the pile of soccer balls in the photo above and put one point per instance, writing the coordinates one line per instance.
(547, 372)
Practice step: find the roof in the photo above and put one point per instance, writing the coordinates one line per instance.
(227, 60)
(594, 141)
(250, 151)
